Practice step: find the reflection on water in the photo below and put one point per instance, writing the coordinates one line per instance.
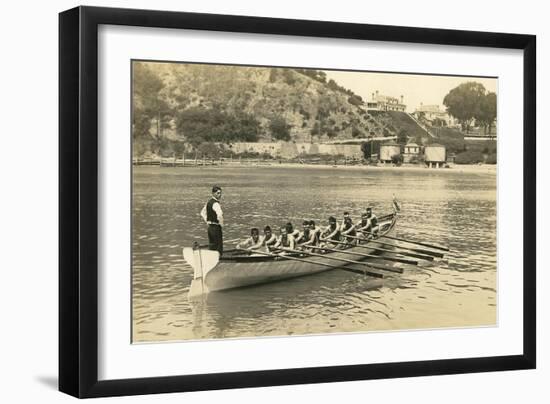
(444, 206)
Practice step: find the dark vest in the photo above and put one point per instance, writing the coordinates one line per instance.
(211, 215)
(306, 236)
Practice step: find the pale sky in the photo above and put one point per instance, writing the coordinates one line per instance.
(415, 88)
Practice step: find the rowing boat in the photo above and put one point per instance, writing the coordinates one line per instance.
(236, 268)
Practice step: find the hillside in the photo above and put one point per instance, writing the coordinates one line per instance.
(194, 104)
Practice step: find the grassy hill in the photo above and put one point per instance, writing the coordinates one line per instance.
(177, 104)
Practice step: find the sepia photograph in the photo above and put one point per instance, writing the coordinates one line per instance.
(284, 201)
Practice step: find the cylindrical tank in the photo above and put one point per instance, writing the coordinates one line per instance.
(388, 151)
(434, 153)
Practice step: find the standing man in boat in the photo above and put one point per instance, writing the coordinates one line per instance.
(212, 215)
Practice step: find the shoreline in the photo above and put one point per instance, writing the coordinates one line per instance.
(454, 168)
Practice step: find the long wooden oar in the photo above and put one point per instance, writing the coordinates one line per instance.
(408, 254)
(436, 247)
(401, 260)
(417, 250)
(328, 256)
(355, 271)
(405, 253)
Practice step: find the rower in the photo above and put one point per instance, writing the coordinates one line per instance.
(331, 232)
(344, 218)
(348, 229)
(303, 236)
(363, 226)
(269, 238)
(254, 242)
(284, 240)
(315, 233)
(372, 227)
(295, 233)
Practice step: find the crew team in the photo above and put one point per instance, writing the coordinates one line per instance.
(334, 236)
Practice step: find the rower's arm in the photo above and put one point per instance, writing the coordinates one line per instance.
(258, 244)
(244, 244)
(203, 213)
(218, 209)
(291, 242)
(349, 230)
(334, 232)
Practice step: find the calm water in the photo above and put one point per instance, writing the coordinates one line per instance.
(444, 206)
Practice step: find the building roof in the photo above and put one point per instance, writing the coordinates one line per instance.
(411, 145)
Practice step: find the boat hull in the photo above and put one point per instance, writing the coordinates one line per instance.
(240, 271)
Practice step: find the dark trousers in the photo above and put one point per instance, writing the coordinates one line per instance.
(215, 238)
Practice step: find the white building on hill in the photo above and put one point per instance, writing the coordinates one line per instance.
(431, 113)
(381, 102)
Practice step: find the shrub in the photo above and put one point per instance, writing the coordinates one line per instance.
(279, 128)
(469, 157)
(397, 159)
(417, 159)
(355, 100)
(491, 158)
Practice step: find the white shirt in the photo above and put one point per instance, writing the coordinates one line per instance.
(217, 208)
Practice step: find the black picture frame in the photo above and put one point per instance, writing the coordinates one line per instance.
(78, 200)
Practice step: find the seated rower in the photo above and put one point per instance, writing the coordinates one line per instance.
(284, 240)
(314, 236)
(303, 236)
(331, 233)
(344, 218)
(295, 233)
(372, 227)
(254, 242)
(315, 233)
(348, 229)
(362, 227)
(269, 238)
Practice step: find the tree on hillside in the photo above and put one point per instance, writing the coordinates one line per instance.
(316, 130)
(149, 103)
(402, 137)
(487, 111)
(369, 148)
(464, 102)
(280, 130)
(355, 132)
(355, 100)
(333, 85)
(200, 125)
